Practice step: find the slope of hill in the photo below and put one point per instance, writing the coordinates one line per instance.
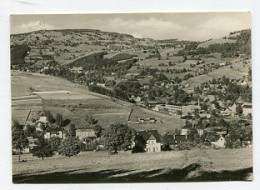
(75, 102)
(215, 41)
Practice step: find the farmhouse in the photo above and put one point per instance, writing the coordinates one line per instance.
(85, 133)
(152, 139)
(50, 134)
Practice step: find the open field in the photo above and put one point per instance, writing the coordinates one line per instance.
(164, 122)
(193, 165)
(217, 73)
(226, 71)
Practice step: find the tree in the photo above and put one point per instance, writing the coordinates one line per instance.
(115, 136)
(91, 120)
(43, 148)
(72, 130)
(140, 144)
(29, 130)
(98, 130)
(49, 117)
(166, 138)
(18, 52)
(70, 146)
(177, 131)
(19, 140)
(59, 119)
(55, 143)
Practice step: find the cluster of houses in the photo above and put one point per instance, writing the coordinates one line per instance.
(152, 138)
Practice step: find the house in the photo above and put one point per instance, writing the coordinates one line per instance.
(205, 115)
(138, 99)
(152, 139)
(222, 64)
(247, 109)
(43, 119)
(147, 120)
(41, 122)
(50, 134)
(158, 107)
(86, 134)
(101, 85)
(185, 130)
(45, 68)
(200, 131)
(220, 143)
(77, 70)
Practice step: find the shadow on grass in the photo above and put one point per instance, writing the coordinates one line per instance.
(160, 175)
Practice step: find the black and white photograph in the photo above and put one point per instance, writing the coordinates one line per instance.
(131, 97)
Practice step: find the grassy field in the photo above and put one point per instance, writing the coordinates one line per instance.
(225, 71)
(190, 165)
(164, 122)
(216, 41)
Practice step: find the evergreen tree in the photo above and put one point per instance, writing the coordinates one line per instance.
(59, 119)
(19, 140)
(72, 130)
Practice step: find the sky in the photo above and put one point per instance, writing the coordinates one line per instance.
(183, 26)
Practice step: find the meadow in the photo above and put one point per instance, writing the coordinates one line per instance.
(193, 165)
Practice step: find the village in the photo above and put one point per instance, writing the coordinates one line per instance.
(89, 92)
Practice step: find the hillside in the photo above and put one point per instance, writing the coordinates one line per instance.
(64, 46)
(74, 102)
(215, 41)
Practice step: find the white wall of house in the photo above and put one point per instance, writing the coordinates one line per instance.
(184, 131)
(221, 143)
(48, 135)
(153, 146)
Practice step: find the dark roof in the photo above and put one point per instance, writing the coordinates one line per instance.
(148, 133)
